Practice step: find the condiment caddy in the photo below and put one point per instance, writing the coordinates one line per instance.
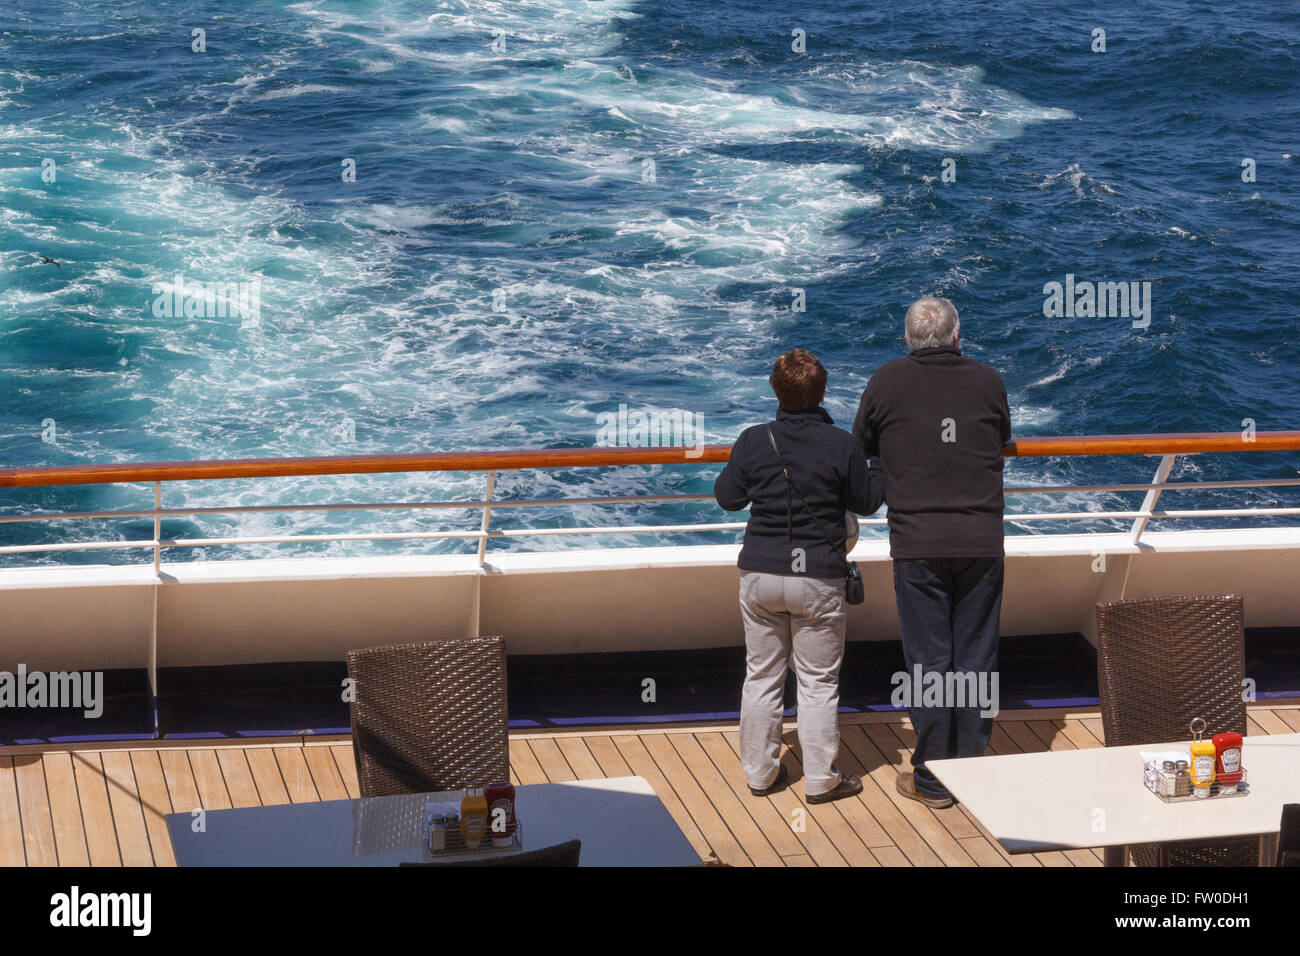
(1208, 769)
(472, 823)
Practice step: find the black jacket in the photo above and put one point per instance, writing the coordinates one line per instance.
(831, 472)
(938, 421)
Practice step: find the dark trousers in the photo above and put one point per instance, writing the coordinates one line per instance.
(948, 613)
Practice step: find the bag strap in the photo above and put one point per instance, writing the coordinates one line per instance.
(843, 555)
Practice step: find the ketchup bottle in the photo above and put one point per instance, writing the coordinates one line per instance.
(1227, 761)
(501, 812)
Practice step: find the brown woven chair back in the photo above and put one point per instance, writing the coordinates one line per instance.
(1160, 663)
(1163, 661)
(426, 713)
(1288, 838)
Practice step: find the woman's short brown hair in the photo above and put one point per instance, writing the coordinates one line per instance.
(799, 380)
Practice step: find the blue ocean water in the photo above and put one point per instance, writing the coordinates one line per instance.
(638, 187)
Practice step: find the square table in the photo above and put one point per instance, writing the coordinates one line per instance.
(620, 821)
(1075, 799)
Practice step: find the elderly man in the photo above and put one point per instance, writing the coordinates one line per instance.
(937, 420)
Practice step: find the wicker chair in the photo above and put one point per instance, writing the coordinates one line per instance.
(425, 714)
(1288, 839)
(562, 854)
(1160, 663)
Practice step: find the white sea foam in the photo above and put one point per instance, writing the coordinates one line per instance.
(1078, 179)
(1057, 375)
(449, 124)
(299, 89)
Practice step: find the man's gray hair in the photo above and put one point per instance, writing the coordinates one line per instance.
(931, 322)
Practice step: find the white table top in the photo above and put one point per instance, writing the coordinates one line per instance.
(1069, 799)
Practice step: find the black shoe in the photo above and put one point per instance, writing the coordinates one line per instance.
(849, 785)
(782, 776)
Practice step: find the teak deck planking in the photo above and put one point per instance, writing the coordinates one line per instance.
(104, 805)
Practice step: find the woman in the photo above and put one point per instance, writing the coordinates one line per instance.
(792, 573)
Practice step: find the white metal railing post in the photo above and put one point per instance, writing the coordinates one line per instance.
(157, 529)
(487, 517)
(485, 525)
(153, 615)
(1153, 495)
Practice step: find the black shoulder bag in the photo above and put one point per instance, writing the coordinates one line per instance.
(853, 589)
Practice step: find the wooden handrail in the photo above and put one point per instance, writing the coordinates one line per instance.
(1181, 443)
(1172, 444)
(356, 465)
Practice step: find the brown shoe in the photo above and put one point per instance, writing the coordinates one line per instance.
(905, 785)
(848, 786)
(782, 778)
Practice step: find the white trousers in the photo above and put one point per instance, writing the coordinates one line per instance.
(791, 621)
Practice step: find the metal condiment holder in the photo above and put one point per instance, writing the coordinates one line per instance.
(1172, 787)
(1164, 785)
(453, 846)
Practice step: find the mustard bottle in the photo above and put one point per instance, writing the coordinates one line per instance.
(1203, 757)
(474, 815)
